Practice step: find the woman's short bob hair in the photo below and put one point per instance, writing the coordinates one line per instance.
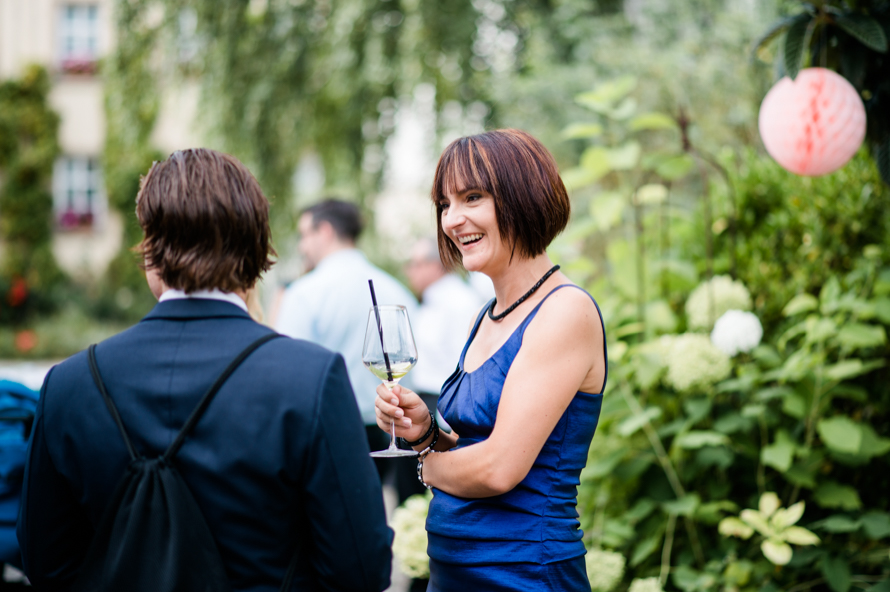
(205, 222)
(530, 200)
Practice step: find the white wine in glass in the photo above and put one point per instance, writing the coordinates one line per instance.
(389, 353)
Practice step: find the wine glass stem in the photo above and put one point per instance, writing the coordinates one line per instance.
(392, 433)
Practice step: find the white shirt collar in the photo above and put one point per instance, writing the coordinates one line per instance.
(172, 294)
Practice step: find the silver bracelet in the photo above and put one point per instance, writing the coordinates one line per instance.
(420, 458)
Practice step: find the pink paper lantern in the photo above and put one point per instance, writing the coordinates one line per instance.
(814, 124)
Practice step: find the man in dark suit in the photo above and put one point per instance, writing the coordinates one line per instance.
(278, 463)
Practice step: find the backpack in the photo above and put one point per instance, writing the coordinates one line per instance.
(18, 404)
(153, 536)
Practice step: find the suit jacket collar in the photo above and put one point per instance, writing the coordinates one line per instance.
(194, 308)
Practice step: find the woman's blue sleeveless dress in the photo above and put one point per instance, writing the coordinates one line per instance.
(528, 538)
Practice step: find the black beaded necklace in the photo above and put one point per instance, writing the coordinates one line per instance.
(522, 298)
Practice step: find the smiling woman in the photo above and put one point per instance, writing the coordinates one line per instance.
(525, 399)
(530, 201)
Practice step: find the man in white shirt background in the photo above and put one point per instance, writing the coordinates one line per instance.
(329, 305)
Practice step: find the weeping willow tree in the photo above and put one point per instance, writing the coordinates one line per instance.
(281, 78)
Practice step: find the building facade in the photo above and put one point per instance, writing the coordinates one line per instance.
(69, 38)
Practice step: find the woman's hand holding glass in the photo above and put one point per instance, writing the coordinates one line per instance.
(402, 409)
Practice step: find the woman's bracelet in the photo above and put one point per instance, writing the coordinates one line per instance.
(434, 428)
(420, 458)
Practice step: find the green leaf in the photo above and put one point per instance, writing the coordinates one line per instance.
(633, 423)
(645, 548)
(797, 535)
(773, 392)
(578, 177)
(830, 294)
(732, 423)
(785, 517)
(624, 158)
(596, 160)
(885, 585)
(838, 523)
(865, 29)
(712, 512)
(674, 168)
(577, 131)
(607, 209)
(794, 406)
(625, 109)
(872, 444)
(876, 524)
(882, 309)
(820, 329)
(732, 526)
(697, 409)
(836, 571)
(650, 194)
(697, 439)
(603, 466)
(795, 43)
(640, 510)
(685, 506)
(851, 368)
(652, 121)
(780, 453)
(776, 29)
(606, 95)
(834, 495)
(860, 335)
(841, 434)
(778, 552)
(800, 303)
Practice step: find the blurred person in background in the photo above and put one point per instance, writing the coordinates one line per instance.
(329, 305)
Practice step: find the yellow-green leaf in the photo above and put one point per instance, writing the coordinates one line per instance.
(797, 535)
(734, 527)
(578, 131)
(652, 121)
(778, 552)
(800, 303)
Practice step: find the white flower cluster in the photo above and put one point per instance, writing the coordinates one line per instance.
(604, 569)
(645, 585)
(695, 363)
(409, 544)
(737, 331)
(711, 299)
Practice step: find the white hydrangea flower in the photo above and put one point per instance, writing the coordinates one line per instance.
(645, 585)
(737, 331)
(727, 294)
(604, 569)
(694, 362)
(409, 544)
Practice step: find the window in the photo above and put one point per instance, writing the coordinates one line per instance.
(79, 38)
(78, 198)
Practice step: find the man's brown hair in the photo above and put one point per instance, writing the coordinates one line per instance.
(530, 200)
(205, 222)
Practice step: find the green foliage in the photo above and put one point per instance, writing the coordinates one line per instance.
(851, 39)
(805, 414)
(28, 148)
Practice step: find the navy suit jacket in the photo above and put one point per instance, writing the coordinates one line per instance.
(278, 463)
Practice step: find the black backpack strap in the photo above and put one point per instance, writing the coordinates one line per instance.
(97, 378)
(211, 392)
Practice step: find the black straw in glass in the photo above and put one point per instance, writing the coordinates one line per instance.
(380, 330)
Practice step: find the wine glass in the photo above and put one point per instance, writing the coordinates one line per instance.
(389, 353)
